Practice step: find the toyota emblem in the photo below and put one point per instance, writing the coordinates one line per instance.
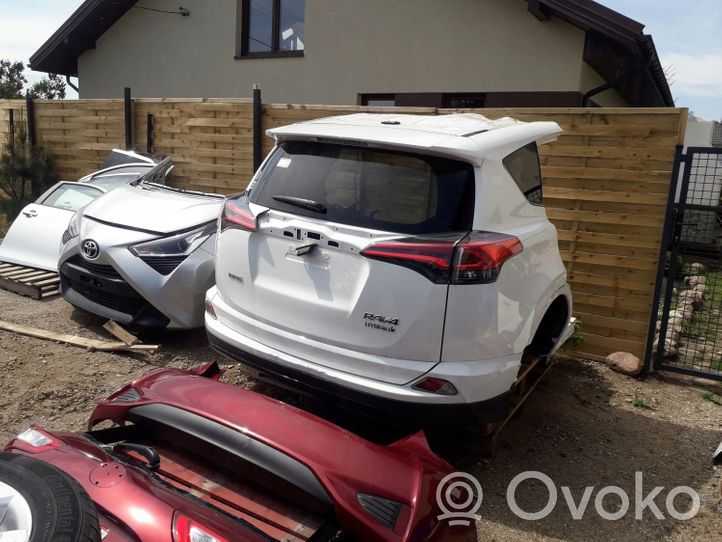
(90, 249)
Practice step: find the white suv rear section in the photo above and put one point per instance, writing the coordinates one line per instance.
(392, 258)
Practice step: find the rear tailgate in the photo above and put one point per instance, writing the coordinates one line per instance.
(300, 280)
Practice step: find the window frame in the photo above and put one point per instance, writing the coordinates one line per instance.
(243, 33)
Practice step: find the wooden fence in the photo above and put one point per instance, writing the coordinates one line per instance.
(606, 181)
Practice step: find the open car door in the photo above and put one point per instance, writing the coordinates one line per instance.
(35, 236)
(157, 174)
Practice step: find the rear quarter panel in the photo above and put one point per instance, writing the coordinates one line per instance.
(487, 321)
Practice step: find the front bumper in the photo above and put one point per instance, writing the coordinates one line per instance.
(122, 287)
(107, 294)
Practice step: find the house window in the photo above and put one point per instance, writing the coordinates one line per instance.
(523, 166)
(272, 27)
(464, 101)
(378, 100)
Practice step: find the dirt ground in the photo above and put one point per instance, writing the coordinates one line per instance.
(584, 426)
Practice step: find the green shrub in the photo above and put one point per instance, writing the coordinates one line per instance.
(25, 173)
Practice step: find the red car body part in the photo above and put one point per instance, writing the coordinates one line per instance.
(357, 477)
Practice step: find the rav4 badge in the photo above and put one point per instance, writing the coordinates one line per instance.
(380, 322)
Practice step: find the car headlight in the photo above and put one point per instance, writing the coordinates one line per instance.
(73, 229)
(177, 245)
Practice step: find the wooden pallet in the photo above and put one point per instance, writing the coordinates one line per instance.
(482, 439)
(28, 281)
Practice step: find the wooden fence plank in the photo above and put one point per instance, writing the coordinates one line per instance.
(606, 180)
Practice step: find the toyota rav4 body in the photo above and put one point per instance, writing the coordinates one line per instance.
(397, 260)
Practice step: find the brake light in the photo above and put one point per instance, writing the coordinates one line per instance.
(37, 440)
(237, 214)
(430, 258)
(187, 530)
(475, 259)
(480, 256)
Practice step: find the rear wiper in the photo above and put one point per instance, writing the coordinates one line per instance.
(301, 202)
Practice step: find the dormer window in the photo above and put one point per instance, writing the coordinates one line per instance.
(272, 28)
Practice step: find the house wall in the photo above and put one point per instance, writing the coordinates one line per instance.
(352, 47)
(699, 132)
(590, 79)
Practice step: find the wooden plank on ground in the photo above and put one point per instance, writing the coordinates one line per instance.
(90, 344)
(121, 333)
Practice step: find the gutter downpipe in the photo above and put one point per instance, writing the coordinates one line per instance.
(614, 82)
(71, 85)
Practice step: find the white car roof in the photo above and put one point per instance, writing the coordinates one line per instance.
(469, 136)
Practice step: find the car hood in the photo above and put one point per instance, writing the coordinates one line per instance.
(154, 208)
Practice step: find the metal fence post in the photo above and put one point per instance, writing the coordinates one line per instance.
(128, 120)
(257, 135)
(667, 232)
(149, 133)
(30, 105)
(11, 126)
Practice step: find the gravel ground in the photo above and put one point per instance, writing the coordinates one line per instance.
(584, 426)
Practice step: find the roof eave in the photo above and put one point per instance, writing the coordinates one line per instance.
(41, 60)
(592, 16)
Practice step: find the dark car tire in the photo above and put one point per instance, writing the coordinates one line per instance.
(62, 511)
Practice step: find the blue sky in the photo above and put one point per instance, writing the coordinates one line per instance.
(688, 36)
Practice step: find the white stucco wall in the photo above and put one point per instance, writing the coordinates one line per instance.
(699, 131)
(352, 47)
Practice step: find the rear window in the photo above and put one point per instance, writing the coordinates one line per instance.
(370, 188)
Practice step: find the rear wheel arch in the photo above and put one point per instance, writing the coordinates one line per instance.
(550, 327)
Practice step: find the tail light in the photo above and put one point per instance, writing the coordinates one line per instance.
(36, 440)
(237, 214)
(479, 257)
(430, 258)
(187, 530)
(475, 259)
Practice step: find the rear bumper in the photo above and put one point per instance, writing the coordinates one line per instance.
(483, 385)
(425, 413)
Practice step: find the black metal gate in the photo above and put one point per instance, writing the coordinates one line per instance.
(686, 335)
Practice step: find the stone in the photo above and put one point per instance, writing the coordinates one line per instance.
(683, 312)
(673, 323)
(624, 363)
(670, 346)
(696, 268)
(694, 280)
(689, 300)
(692, 295)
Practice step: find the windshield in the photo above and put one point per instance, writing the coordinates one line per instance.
(371, 188)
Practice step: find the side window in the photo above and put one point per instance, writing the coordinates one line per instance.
(523, 166)
(71, 197)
